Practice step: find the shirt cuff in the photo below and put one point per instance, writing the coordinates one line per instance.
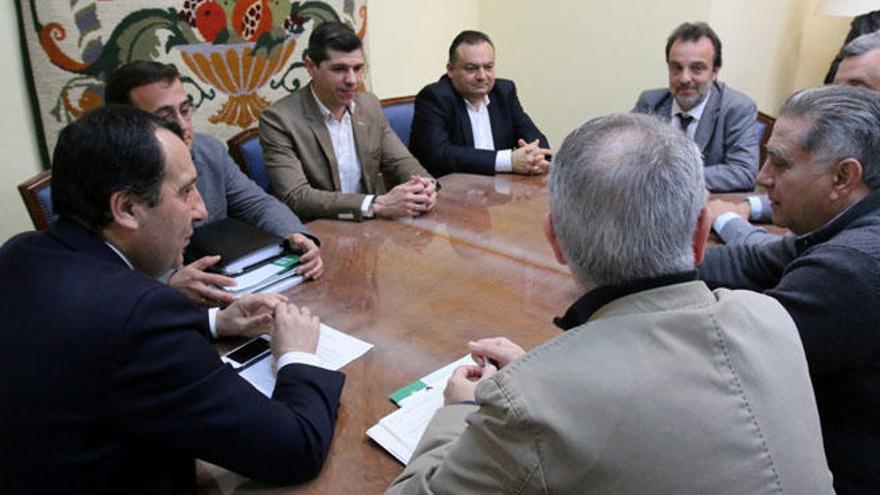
(366, 209)
(503, 161)
(755, 207)
(297, 358)
(212, 321)
(722, 220)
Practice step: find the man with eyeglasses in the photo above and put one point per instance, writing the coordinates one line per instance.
(227, 192)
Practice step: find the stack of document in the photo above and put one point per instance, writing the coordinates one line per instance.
(400, 431)
(275, 275)
(335, 350)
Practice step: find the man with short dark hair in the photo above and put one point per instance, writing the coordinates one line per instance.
(110, 383)
(658, 384)
(329, 150)
(157, 88)
(859, 66)
(720, 119)
(822, 174)
(471, 122)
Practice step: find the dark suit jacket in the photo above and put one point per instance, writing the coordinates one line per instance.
(111, 386)
(442, 138)
(302, 165)
(727, 134)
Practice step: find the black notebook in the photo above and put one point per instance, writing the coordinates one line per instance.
(239, 244)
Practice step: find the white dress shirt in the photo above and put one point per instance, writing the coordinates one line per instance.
(342, 137)
(481, 127)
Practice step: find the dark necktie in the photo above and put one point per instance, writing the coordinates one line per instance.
(684, 120)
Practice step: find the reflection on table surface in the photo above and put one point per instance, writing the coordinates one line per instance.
(419, 289)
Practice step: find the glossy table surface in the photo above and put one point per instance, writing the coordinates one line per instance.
(418, 290)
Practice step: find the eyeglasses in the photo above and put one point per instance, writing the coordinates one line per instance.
(185, 111)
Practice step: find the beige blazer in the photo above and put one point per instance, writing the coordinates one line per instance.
(674, 390)
(302, 166)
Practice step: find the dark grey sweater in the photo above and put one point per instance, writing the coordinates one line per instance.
(829, 281)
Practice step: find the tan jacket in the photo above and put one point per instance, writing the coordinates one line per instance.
(673, 390)
(302, 166)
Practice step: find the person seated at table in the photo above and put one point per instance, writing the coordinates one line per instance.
(110, 383)
(468, 121)
(658, 384)
(328, 148)
(859, 66)
(822, 174)
(720, 119)
(226, 191)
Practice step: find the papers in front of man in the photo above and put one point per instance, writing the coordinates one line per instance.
(274, 275)
(400, 431)
(335, 350)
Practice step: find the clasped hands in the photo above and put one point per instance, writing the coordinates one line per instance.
(294, 329)
(529, 158)
(205, 289)
(490, 355)
(410, 199)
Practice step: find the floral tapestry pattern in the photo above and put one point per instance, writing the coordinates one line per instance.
(236, 56)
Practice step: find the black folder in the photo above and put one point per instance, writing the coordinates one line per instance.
(240, 245)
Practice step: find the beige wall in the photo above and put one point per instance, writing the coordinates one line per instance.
(572, 59)
(19, 158)
(408, 41)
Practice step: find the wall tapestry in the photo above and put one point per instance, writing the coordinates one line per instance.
(236, 56)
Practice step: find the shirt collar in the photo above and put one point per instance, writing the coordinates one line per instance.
(119, 253)
(581, 311)
(868, 204)
(325, 112)
(697, 111)
(485, 104)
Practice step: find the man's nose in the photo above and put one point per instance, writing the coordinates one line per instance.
(199, 210)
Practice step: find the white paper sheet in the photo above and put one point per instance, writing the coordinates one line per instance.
(335, 350)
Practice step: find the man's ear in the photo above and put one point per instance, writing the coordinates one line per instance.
(311, 66)
(550, 234)
(846, 178)
(449, 69)
(701, 235)
(123, 206)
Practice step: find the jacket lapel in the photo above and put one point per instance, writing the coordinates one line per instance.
(499, 125)
(710, 115)
(361, 130)
(316, 122)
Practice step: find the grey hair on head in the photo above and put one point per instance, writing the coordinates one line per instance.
(861, 45)
(844, 122)
(626, 191)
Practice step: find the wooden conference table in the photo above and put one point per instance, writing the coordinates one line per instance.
(418, 290)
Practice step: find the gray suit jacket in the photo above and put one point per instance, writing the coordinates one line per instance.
(227, 192)
(671, 390)
(302, 166)
(727, 134)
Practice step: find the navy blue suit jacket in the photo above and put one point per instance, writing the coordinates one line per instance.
(442, 138)
(110, 385)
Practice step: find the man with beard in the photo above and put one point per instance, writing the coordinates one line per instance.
(720, 119)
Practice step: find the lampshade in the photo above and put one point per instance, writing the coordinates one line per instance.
(847, 8)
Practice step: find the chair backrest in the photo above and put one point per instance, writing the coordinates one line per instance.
(399, 112)
(765, 128)
(247, 152)
(37, 195)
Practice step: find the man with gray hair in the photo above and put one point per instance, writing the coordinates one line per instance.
(658, 385)
(859, 66)
(822, 175)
